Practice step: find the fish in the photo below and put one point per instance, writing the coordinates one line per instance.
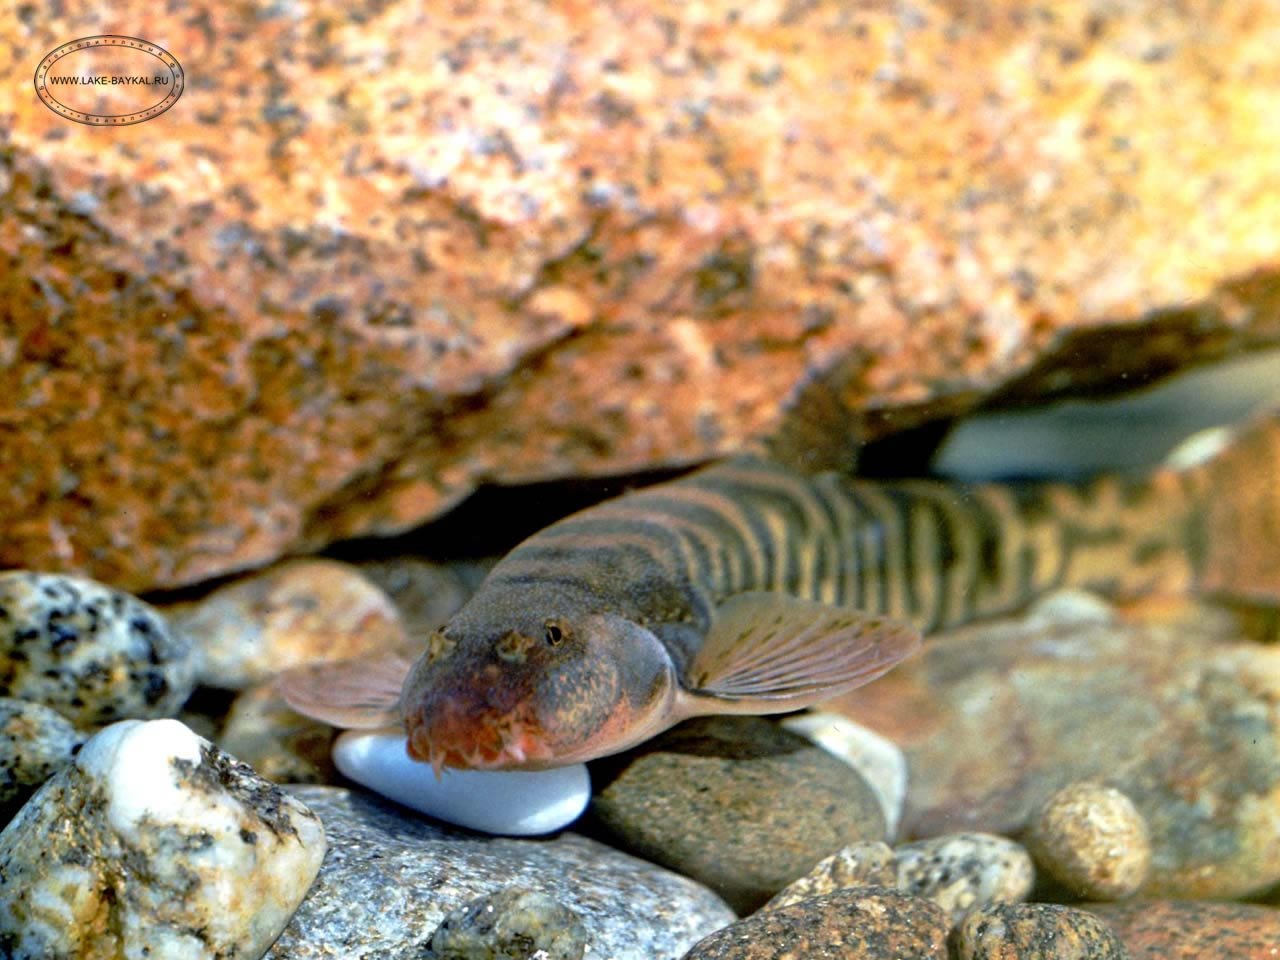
(751, 587)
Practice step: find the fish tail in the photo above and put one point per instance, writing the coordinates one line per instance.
(1235, 511)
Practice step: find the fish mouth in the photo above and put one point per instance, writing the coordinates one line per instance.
(477, 743)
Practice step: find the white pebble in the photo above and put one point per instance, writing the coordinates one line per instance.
(513, 803)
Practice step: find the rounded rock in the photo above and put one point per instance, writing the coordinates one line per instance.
(35, 743)
(1036, 931)
(737, 803)
(513, 922)
(1092, 840)
(515, 803)
(963, 872)
(863, 923)
(92, 653)
(187, 852)
(870, 863)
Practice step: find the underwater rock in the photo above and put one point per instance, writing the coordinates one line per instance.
(262, 730)
(35, 743)
(302, 611)
(1036, 931)
(869, 863)
(737, 803)
(92, 653)
(880, 761)
(963, 872)
(515, 922)
(514, 803)
(392, 878)
(584, 255)
(863, 923)
(153, 843)
(1192, 930)
(999, 716)
(426, 594)
(1092, 840)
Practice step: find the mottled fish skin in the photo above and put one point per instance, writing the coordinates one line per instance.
(750, 587)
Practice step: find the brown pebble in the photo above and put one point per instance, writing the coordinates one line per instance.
(1193, 930)
(1036, 931)
(862, 923)
(1092, 840)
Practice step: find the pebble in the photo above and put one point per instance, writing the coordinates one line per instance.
(512, 924)
(282, 745)
(515, 803)
(863, 923)
(1091, 839)
(92, 653)
(35, 743)
(737, 803)
(881, 763)
(1036, 931)
(153, 843)
(963, 872)
(392, 877)
(869, 863)
(1185, 720)
(1193, 930)
(426, 594)
(301, 611)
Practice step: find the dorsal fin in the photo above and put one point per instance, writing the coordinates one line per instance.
(771, 652)
(361, 693)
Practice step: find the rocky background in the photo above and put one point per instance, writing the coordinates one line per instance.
(380, 253)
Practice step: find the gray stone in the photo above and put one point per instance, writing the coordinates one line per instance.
(1036, 931)
(737, 803)
(962, 872)
(35, 743)
(392, 877)
(154, 844)
(870, 863)
(92, 653)
(515, 923)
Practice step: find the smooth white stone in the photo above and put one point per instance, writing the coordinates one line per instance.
(880, 761)
(514, 803)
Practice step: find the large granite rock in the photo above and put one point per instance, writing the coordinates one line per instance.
(381, 252)
(392, 879)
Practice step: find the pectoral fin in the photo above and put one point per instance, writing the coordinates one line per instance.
(362, 693)
(769, 653)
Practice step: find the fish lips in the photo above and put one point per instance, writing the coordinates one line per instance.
(467, 729)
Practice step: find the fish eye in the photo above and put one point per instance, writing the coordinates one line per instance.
(554, 633)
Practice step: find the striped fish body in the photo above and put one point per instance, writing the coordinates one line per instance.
(749, 588)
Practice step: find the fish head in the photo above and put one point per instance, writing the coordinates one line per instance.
(532, 692)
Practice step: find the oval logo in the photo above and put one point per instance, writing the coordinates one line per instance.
(109, 80)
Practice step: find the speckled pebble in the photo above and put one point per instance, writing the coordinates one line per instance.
(963, 872)
(153, 843)
(516, 923)
(281, 744)
(92, 653)
(863, 923)
(1092, 840)
(1037, 931)
(1193, 930)
(392, 877)
(35, 743)
(301, 611)
(870, 863)
(880, 761)
(737, 803)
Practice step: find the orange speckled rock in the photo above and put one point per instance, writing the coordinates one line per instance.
(1191, 930)
(380, 252)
